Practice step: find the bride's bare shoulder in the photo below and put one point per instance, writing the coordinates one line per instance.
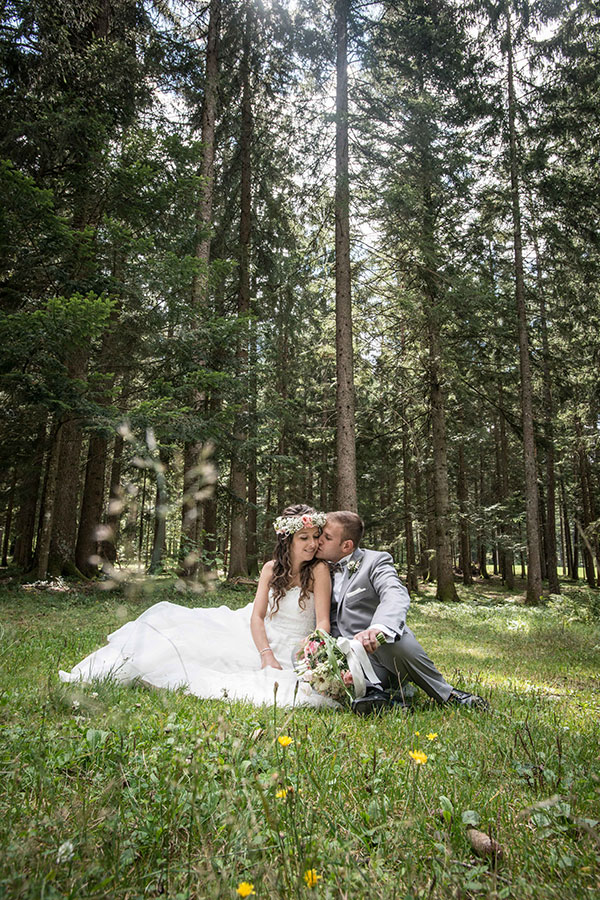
(267, 569)
(319, 573)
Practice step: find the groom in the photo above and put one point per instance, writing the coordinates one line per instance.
(369, 599)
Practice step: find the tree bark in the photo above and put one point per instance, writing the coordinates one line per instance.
(507, 552)
(463, 499)
(412, 581)
(191, 513)
(9, 517)
(160, 514)
(28, 495)
(550, 524)
(345, 413)
(482, 548)
(64, 520)
(534, 576)
(238, 563)
(252, 535)
(92, 504)
(567, 534)
(586, 501)
(446, 589)
(141, 531)
(48, 502)
(108, 546)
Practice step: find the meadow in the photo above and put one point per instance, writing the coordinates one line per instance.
(125, 792)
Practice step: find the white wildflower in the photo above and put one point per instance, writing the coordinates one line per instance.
(65, 852)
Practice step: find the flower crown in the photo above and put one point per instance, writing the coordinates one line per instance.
(287, 525)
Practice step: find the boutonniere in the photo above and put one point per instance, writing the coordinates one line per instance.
(354, 566)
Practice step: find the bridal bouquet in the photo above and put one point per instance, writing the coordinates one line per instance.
(323, 663)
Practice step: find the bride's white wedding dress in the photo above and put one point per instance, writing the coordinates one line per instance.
(209, 653)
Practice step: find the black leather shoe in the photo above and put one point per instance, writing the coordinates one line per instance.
(472, 701)
(373, 701)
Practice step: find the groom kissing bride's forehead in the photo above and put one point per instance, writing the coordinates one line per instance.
(369, 600)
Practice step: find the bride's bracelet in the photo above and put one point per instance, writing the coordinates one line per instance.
(266, 650)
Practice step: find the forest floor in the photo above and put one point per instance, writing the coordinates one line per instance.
(114, 792)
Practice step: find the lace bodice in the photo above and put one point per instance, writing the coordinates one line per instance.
(287, 628)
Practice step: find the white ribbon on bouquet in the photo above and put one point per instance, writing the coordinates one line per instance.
(359, 665)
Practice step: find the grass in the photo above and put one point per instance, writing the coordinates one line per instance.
(128, 793)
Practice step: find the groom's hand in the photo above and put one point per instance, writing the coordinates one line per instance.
(368, 639)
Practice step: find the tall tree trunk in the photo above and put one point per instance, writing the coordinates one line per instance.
(425, 493)
(141, 532)
(9, 517)
(346, 427)
(482, 548)
(586, 502)
(48, 503)
(86, 549)
(567, 534)
(550, 524)
(108, 545)
(463, 499)
(238, 564)
(534, 574)
(191, 512)
(412, 581)
(575, 554)
(28, 501)
(543, 551)
(200, 284)
(160, 514)
(209, 506)
(446, 589)
(507, 552)
(64, 520)
(252, 536)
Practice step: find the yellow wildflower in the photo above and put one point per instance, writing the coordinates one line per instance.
(311, 878)
(285, 740)
(432, 735)
(282, 794)
(417, 733)
(419, 757)
(244, 889)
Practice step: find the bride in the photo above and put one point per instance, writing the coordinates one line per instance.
(244, 654)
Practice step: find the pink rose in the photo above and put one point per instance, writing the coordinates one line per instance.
(306, 520)
(347, 677)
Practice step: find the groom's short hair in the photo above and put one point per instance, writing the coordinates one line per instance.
(353, 526)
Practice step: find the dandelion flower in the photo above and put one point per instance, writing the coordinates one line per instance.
(417, 733)
(311, 878)
(244, 889)
(419, 757)
(285, 740)
(432, 735)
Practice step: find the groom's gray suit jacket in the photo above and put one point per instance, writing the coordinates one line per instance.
(372, 594)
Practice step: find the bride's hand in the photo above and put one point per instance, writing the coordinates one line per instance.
(268, 660)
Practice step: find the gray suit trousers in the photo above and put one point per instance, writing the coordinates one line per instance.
(406, 660)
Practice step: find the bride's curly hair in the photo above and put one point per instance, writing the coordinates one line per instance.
(282, 564)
